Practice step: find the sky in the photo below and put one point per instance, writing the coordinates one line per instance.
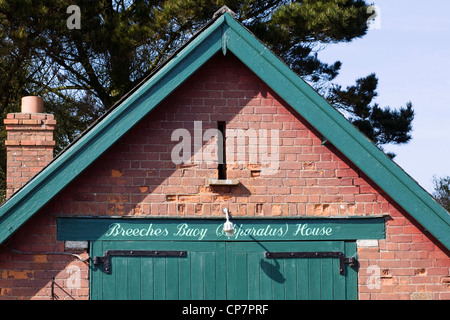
(408, 48)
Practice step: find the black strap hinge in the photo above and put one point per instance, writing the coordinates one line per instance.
(343, 260)
(106, 259)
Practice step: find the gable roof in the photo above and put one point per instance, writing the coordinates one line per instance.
(226, 34)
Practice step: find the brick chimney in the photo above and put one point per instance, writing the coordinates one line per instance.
(29, 144)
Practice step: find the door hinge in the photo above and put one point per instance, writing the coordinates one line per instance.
(106, 259)
(343, 260)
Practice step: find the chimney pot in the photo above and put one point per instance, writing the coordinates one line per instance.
(32, 104)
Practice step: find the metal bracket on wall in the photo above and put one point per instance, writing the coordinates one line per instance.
(106, 259)
(343, 260)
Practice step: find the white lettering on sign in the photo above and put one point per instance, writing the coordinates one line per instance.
(183, 230)
(305, 231)
(200, 231)
(116, 230)
(267, 231)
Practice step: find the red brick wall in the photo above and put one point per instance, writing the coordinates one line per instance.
(138, 177)
(408, 264)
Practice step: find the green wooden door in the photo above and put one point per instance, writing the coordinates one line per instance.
(252, 276)
(223, 270)
(196, 276)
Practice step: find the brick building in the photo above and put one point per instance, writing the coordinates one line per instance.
(135, 207)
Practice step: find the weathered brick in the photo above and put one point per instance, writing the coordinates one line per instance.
(19, 274)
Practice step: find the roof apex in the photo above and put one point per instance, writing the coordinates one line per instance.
(223, 10)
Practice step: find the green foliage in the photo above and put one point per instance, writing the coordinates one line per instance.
(121, 42)
(381, 125)
(442, 191)
(297, 30)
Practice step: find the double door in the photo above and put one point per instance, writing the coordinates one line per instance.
(184, 270)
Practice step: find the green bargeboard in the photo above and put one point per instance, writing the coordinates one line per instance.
(223, 270)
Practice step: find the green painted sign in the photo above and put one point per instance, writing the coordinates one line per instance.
(211, 229)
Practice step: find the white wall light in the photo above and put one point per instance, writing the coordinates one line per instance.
(228, 226)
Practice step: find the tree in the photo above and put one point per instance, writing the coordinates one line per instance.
(16, 70)
(442, 191)
(82, 72)
(381, 125)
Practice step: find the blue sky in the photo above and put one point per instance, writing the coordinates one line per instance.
(409, 50)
